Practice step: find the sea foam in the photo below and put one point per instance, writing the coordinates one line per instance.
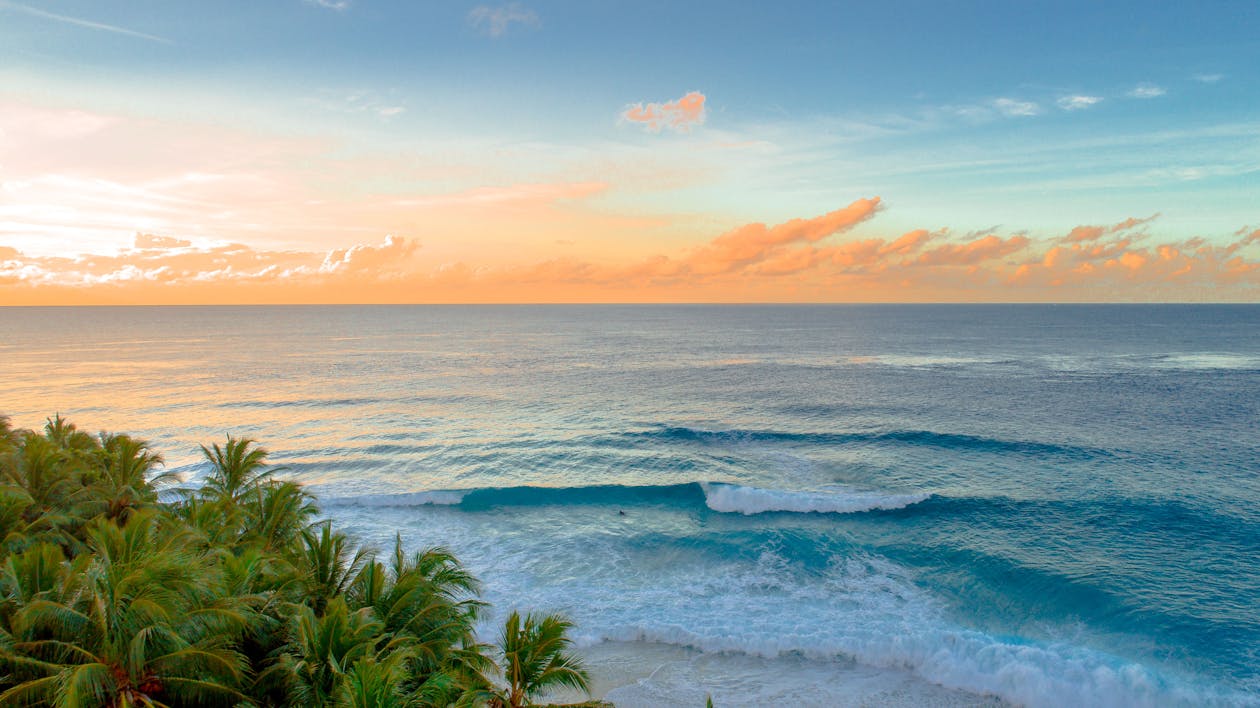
(734, 498)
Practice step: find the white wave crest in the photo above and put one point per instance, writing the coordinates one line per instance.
(731, 498)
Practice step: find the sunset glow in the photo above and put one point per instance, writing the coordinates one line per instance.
(195, 162)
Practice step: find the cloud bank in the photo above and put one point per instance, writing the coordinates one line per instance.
(806, 259)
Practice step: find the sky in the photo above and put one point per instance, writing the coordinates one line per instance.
(365, 151)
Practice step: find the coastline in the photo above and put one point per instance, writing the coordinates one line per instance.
(650, 674)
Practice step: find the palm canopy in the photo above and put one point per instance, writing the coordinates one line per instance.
(326, 564)
(232, 595)
(136, 621)
(536, 658)
(322, 650)
(127, 478)
(236, 469)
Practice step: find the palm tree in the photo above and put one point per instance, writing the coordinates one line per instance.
(427, 606)
(325, 564)
(42, 469)
(278, 513)
(38, 479)
(67, 435)
(321, 651)
(126, 481)
(14, 503)
(429, 591)
(28, 576)
(536, 659)
(8, 437)
(259, 582)
(376, 684)
(135, 621)
(236, 469)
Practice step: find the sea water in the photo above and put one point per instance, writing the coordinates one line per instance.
(812, 505)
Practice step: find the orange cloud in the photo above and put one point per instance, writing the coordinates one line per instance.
(973, 252)
(680, 115)
(1093, 233)
(811, 259)
(755, 242)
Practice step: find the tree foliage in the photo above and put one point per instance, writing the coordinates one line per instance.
(120, 588)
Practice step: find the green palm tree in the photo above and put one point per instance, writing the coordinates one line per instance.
(134, 621)
(322, 651)
(14, 503)
(236, 469)
(39, 480)
(376, 684)
(277, 514)
(428, 608)
(259, 582)
(67, 435)
(128, 479)
(426, 592)
(28, 576)
(536, 659)
(8, 436)
(45, 471)
(325, 565)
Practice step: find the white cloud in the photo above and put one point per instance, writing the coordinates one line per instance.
(1076, 103)
(1147, 91)
(338, 5)
(1012, 107)
(495, 21)
(1208, 78)
(360, 102)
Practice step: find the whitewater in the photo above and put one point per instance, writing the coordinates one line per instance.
(806, 505)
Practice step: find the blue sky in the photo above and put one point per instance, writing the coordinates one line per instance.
(1030, 117)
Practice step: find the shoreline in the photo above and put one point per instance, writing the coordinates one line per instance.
(646, 674)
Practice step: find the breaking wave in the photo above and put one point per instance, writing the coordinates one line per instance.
(715, 496)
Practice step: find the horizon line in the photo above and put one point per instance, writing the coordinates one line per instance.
(651, 304)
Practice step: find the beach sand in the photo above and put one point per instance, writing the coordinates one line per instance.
(651, 675)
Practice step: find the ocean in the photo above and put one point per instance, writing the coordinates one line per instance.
(772, 505)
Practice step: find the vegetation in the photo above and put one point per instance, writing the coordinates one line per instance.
(118, 589)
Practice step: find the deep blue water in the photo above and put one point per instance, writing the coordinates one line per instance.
(1051, 504)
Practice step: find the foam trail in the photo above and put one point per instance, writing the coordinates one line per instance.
(732, 498)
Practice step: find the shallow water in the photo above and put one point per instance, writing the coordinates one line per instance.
(1042, 503)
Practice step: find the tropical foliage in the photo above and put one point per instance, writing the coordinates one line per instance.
(119, 588)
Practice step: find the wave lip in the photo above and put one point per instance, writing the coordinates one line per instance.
(734, 498)
(722, 497)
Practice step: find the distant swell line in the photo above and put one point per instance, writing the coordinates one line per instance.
(716, 496)
(925, 438)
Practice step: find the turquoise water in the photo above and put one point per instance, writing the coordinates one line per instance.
(1049, 504)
